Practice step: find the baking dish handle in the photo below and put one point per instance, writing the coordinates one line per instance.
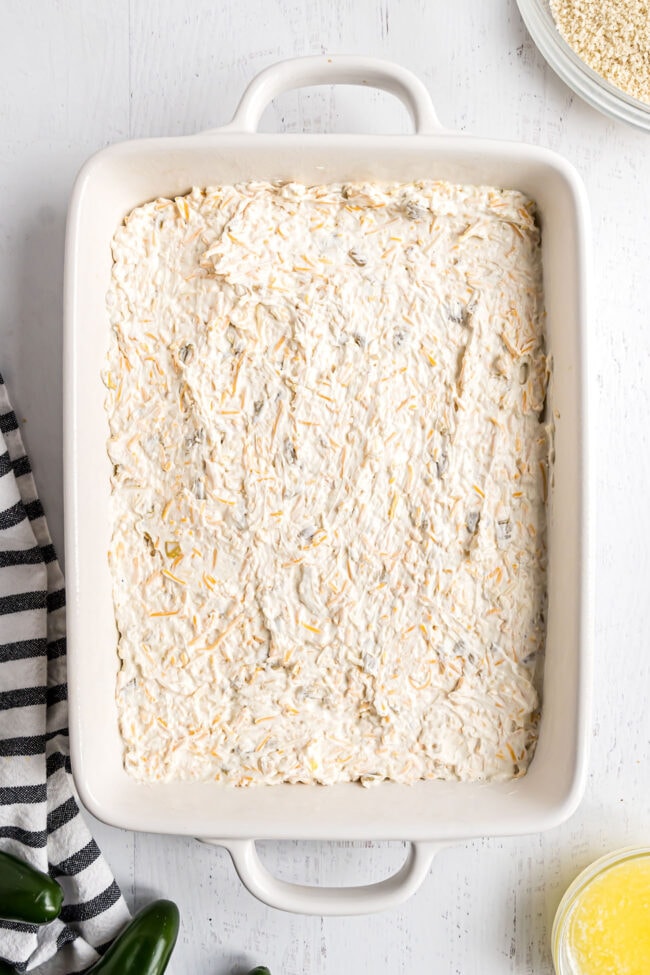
(329, 901)
(334, 70)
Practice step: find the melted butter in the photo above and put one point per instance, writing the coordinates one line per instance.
(609, 929)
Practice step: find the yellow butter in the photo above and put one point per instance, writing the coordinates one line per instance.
(608, 931)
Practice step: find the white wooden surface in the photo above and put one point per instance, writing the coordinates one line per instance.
(76, 75)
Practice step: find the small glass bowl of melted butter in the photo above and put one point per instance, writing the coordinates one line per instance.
(602, 925)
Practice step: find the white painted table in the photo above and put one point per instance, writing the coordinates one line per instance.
(76, 75)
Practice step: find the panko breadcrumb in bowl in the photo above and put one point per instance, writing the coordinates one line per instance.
(330, 459)
(601, 50)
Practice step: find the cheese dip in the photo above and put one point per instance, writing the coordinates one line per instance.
(330, 470)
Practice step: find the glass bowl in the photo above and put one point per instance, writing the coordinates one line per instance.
(586, 82)
(562, 960)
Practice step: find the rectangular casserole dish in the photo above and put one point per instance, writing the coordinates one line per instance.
(429, 813)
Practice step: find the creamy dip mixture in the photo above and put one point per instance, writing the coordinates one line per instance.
(329, 483)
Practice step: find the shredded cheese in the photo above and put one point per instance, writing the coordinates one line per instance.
(350, 465)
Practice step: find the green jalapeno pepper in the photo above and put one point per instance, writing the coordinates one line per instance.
(26, 894)
(145, 945)
(260, 970)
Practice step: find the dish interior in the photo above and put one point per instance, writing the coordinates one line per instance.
(125, 176)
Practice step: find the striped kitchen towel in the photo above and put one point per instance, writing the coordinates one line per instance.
(39, 815)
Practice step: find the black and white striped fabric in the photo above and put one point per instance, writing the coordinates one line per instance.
(39, 815)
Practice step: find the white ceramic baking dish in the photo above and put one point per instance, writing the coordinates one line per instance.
(429, 814)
